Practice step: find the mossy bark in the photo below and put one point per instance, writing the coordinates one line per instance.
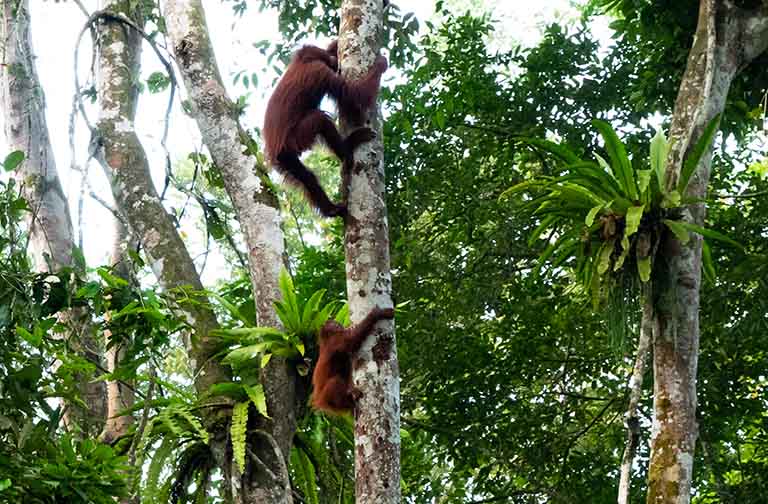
(726, 39)
(246, 181)
(369, 280)
(50, 224)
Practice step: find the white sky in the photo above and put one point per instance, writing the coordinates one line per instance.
(55, 27)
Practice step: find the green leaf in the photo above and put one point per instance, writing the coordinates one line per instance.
(157, 82)
(288, 316)
(591, 184)
(594, 285)
(156, 467)
(624, 252)
(557, 150)
(545, 224)
(240, 356)
(257, 397)
(710, 233)
(592, 214)
(265, 360)
(13, 160)
(680, 232)
(250, 335)
(622, 168)
(5, 484)
(311, 307)
(342, 316)
(320, 318)
(707, 263)
(34, 339)
(643, 181)
(288, 308)
(644, 268)
(632, 220)
(523, 187)
(187, 415)
(604, 256)
(671, 200)
(563, 241)
(113, 281)
(599, 172)
(692, 160)
(237, 432)
(579, 195)
(659, 152)
(308, 476)
(231, 308)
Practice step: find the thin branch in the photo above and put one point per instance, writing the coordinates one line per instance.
(755, 194)
(635, 393)
(109, 16)
(80, 199)
(82, 8)
(298, 225)
(141, 431)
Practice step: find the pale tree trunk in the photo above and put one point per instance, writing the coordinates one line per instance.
(26, 130)
(246, 181)
(50, 224)
(369, 280)
(120, 395)
(119, 151)
(632, 419)
(726, 39)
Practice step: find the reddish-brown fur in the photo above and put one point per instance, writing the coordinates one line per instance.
(293, 119)
(332, 379)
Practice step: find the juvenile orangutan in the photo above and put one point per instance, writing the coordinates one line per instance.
(332, 379)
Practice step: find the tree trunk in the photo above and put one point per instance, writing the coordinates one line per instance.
(50, 224)
(120, 395)
(635, 394)
(256, 205)
(26, 130)
(727, 38)
(119, 151)
(369, 280)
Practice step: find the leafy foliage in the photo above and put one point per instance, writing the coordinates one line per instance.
(605, 214)
(38, 464)
(302, 322)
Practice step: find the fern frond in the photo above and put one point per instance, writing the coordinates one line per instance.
(151, 493)
(237, 432)
(187, 415)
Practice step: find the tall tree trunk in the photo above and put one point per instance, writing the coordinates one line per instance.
(119, 151)
(726, 39)
(632, 419)
(120, 395)
(50, 224)
(247, 184)
(26, 130)
(369, 280)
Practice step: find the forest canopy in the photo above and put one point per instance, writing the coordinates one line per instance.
(565, 203)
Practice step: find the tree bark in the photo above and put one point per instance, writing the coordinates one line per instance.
(120, 395)
(26, 130)
(255, 202)
(369, 280)
(635, 393)
(726, 39)
(120, 153)
(49, 222)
